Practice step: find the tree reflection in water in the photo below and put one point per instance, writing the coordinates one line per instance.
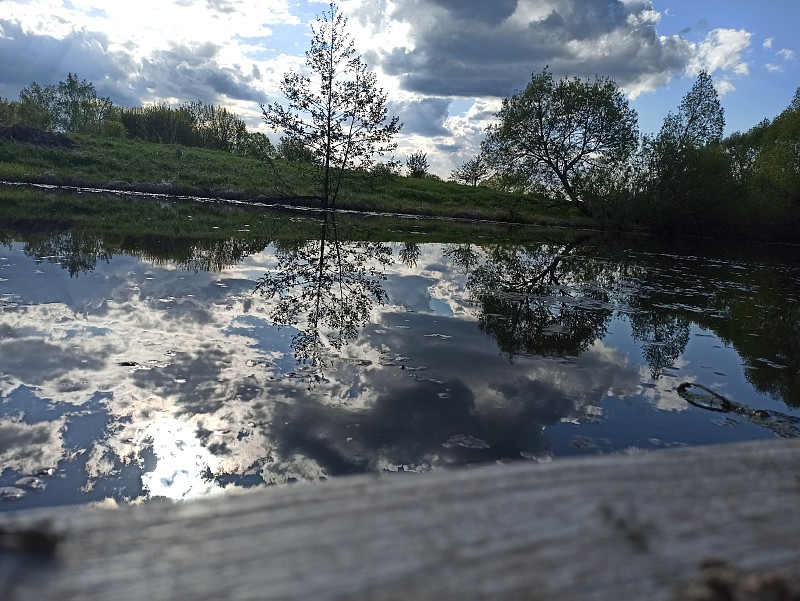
(326, 287)
(541, 300)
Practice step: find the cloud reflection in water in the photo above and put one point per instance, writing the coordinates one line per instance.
(139, 379)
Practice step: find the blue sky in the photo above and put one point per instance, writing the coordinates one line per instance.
(446, 64)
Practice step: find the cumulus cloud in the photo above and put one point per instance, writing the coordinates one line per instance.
(47, 59)
(477, 48)
(434, 57)
(722, 50)
(134, 58)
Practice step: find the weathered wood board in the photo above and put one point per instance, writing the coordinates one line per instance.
(611, 527)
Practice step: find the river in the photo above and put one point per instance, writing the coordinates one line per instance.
(136, 366)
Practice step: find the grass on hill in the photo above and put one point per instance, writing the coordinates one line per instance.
(134, 165)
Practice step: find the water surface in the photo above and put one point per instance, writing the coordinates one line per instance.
(142, 366)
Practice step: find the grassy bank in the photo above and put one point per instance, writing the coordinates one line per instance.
(25, 212)
(134, 165)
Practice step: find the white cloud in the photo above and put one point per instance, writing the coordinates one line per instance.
(722, 50)
(768, 43)
(724, 86)
(786, 54)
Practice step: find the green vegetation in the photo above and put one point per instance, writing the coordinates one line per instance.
(135, 165)
(556, 134)
(576, 140)
(81, 229)
(417, 165)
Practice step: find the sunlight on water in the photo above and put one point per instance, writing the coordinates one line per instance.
(183, 466)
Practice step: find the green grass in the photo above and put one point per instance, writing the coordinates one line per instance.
(29, 212)
(142, 166)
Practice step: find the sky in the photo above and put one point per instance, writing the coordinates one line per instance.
(445, 64)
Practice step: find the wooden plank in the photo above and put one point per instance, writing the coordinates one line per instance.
(609, 527)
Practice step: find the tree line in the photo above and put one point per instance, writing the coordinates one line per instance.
(73, 106)
(578, 141)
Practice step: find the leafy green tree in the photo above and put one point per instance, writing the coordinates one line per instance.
(258, 145)
(70, 106)
(555, 131)
(161, 123)
(295, 150)
(37, 106)
(77, 107)
(698, 123)
(417, 164)
(339, 114)
(777, 166)
(215, 127)
(690, 174)
(472, 172)
(8, 112)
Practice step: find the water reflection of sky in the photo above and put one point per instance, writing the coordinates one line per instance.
(138, 380)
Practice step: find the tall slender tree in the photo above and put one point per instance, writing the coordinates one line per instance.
(338, 113)
(685, 162)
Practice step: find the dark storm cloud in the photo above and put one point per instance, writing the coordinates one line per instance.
(424, 117)
(476, 48)
(449, 148)
(30, 57)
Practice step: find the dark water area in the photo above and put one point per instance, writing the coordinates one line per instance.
(144, 366)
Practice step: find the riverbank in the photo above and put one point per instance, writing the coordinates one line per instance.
(136, 166)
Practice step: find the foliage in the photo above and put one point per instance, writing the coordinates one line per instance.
(257, 145)
(687, 172)
(70, 106)
(553, 132)
(472, 172)
(191, 124)
(36, 107)
(216, 127)
(777, 166)
(158, 123)
(765, 163)
(77, 106)
(8, 112)
(417, 164)
(130, 164)
(340, 116)
(295, 149)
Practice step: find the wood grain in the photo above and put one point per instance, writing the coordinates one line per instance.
(609, 527)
